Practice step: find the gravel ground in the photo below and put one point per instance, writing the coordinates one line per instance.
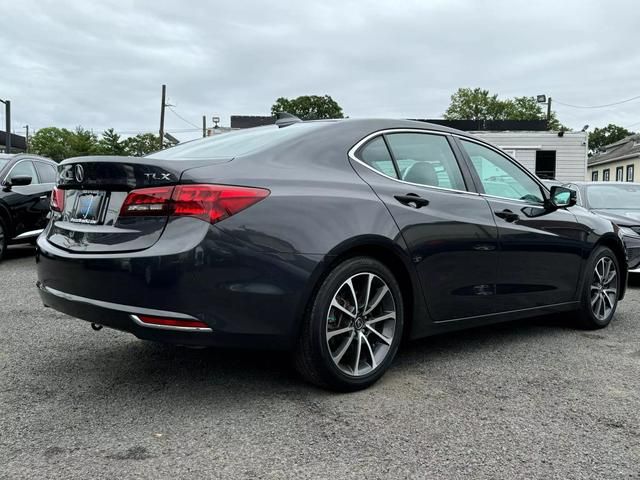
(528, 400)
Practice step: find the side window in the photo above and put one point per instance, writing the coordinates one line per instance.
(376, 155)
(501, 177)
(46, 172)
(426, 159)
(24, 167)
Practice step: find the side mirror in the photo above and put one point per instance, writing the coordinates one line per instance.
(563, 197)
(19, 181)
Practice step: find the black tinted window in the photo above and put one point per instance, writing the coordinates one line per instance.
(376, 155)
(426, 160)
(46, 172)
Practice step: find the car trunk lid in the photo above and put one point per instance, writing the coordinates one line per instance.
(93, 190)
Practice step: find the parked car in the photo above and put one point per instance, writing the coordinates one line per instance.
(334, 239)
(620, 203)
(26, 182)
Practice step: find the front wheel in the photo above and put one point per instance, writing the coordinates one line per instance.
(3, 239)
(600, 290)
(353, 328)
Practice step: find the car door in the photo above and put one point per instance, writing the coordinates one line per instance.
(449, 229)
(47, 174)
(25, 202)
(540, 257)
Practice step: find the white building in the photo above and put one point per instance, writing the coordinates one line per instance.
(548, 154)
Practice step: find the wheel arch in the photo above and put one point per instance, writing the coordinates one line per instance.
(390, 255)
(5, 216)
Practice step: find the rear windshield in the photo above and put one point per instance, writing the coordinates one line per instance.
(234, 144)
(624, 197)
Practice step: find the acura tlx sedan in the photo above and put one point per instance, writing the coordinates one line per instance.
(333, 239)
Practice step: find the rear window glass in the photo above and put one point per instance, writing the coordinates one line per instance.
(236, 143)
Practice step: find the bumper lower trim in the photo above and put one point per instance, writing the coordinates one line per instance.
(137, 319)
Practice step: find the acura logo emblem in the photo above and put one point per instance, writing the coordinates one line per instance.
(79, 173)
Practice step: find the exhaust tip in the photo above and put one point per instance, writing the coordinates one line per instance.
(96, 326)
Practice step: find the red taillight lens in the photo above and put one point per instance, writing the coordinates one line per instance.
(172, 322)
(214, 202)
(209, 202)
(57, 199)
(147, 201)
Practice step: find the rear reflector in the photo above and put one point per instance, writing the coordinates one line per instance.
(208, 202)
(57, 199)
(172, 322)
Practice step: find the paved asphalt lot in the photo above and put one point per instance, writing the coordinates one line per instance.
(527, 400)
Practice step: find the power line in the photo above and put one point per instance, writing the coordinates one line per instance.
(598, 106)
(182, 118)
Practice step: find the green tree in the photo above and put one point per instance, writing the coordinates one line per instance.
(52, 142)
(309, 107)
(479, 104)
(83, 142)
(110, 143)
(600, 137)
(141, 144)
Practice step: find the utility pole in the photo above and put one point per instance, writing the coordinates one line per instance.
(164, 104)
(204, 126)
(7, 115)
(548, 112)
(26, 139)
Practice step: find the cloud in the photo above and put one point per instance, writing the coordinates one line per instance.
(101, 64)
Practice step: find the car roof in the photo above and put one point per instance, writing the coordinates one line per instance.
(586, 184)
(20, 156)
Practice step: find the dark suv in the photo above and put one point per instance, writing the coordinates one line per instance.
(26, 182)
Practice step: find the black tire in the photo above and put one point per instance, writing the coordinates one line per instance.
(4, 239)
(313, 357)
(589, 316)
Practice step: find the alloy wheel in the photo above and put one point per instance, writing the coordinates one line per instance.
(361, 324)
(604, 288)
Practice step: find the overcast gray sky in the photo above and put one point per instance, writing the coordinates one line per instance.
(101, 64)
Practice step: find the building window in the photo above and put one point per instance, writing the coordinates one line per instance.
(605, 175)
(619, 174)
(594, 176)
(546, 164)
(629, 173)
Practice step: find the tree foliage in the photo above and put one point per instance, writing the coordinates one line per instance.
(600, 137)
(60, 143)
(479, 104)
(309, 107)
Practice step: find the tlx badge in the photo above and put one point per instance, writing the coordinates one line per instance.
(158, 176)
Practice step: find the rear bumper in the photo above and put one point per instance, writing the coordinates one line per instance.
(247, 298)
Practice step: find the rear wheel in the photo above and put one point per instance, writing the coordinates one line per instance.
(600, 290)
(353, 328)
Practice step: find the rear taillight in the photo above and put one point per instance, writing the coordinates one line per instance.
(208, 202)
(147, 201)
(57, 199)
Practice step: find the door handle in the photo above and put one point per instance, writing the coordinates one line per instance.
(507, 215)
(412, 200)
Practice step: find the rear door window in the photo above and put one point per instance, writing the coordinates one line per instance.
(426, 159)
(376, 154)
(46, 172)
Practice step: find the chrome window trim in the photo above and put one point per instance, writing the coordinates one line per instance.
(354, 149)
(516, 164)
(18, 163)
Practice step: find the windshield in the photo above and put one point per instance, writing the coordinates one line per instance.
(621, 197)
(236, 143)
